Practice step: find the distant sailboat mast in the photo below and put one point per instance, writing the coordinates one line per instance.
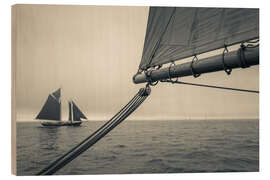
(70, 111)
(72, 116)
(60, 109)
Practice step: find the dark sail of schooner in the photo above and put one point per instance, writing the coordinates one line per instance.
(50, 110)
(77, 113)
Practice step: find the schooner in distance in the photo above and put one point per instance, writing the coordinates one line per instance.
(51, 112)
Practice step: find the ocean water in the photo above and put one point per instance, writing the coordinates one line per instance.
(144, 147)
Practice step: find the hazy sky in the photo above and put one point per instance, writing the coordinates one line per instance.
(92, 52)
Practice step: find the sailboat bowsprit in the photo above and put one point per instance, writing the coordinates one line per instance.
(51, 112)
(176, 33)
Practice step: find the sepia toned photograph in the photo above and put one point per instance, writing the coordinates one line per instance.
(134, 89)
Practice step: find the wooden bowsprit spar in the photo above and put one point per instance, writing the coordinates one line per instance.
(206, 65)
(133, 104)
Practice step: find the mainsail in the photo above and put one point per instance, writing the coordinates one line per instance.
(174, 33)
(51, 110)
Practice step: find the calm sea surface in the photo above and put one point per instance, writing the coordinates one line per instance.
(144, 147)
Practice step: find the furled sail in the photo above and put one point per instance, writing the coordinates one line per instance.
(77, 114)
(51, 110)
(174, 33)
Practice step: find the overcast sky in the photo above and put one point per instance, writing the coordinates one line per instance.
(92, 52)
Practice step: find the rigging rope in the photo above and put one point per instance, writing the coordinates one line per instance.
(107, 123)
(210, 86)
(133, 104)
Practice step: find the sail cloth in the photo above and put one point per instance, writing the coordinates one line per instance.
(57, 94)
(174, 33)
(77, 114)
(51, 110)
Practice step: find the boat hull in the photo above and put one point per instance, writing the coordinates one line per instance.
(61, 123)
